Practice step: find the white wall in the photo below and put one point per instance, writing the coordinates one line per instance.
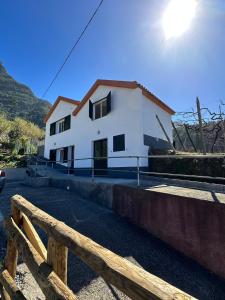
(124, 118)
(62, 139)
(150, 124)
(131, 114)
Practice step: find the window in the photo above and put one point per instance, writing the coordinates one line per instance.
(100, 108)
(104, 108)
(61, 125)
(52, 128)
(119, 143)
(97, 110)
(67, 122)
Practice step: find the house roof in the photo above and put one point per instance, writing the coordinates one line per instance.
(60, 98)
(123, 84)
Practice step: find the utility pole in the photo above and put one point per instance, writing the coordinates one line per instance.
(200, 126)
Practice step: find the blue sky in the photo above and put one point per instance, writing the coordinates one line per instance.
(124, 42)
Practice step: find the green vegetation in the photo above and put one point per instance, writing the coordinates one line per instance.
(21, 117)
(17, 100)
(17, 137)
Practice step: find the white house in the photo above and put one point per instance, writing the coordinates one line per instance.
(114, 119)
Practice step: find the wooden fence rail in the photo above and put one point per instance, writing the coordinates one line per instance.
(49, 266)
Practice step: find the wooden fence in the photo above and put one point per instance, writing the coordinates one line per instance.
(49, 266)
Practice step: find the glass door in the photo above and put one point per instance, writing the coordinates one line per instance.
(101, 152)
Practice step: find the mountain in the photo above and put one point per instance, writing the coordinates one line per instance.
(17, 100)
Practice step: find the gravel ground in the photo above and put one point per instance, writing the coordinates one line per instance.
(116, 234)
(27, 284)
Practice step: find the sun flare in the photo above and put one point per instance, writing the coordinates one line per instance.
(178, 16)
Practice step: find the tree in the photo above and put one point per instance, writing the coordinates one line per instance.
(5, 127)
(22, 135)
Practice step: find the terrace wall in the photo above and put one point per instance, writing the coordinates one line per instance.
(192, 226)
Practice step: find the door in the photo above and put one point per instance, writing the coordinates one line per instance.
(72, 157)
(52, 155)
(100, 150)
(70, 163)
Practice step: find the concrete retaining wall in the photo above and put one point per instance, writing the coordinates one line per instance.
(15, 173)
(100, 193)
(194, 227)
(36, 181)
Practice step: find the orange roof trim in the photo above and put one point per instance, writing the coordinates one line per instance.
(123, 84)
(60, 98)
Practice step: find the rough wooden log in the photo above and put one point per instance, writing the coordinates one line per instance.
(3, 293)
(178, 136)
(57, 258)
(11, 252)
(165, 133)
(11, 258)
(202, 139)
(132, 280)
(10, 286)
(33, 237)
(49, 282)
(190, 139)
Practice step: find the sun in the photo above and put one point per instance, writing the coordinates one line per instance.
(178, 16)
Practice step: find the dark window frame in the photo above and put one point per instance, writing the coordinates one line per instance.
(66, 125)
(104, 105)
(52, 129)
(100, 105)
(119, 143)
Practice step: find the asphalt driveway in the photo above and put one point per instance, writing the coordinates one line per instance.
(116, 234)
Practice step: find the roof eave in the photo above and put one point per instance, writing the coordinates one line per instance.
(59, 99)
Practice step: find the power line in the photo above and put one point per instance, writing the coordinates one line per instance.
(71, 51)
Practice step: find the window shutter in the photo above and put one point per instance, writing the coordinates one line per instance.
(119, 143)
(67, 122)
(52, 128)
(90, 110)
(65, 154)
(109, 102)
(52, 155)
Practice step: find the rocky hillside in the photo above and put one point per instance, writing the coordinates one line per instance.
(17, 100)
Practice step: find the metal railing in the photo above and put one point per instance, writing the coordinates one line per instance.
(136, 168)
(57, 163)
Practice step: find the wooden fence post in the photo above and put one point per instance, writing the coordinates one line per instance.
(57, 255)
(10, 286)
(12, 252)
(200, 126)
(178, 136)
(165, 133)
(223, 126)
(11, 258)
(189, 136)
